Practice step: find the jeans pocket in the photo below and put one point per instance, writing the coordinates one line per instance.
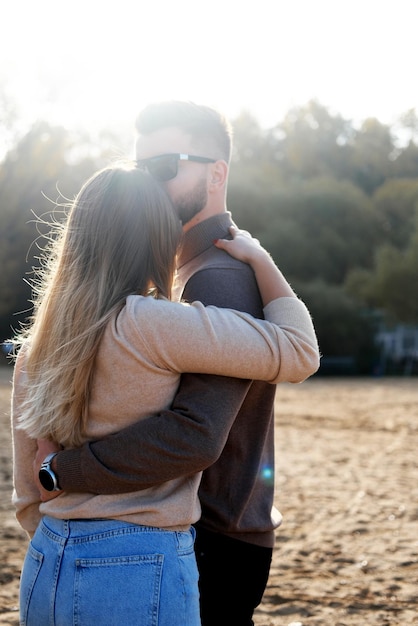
(98, 598)
(30, 572)
(185, 542)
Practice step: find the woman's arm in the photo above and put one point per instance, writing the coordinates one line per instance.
(288, 331)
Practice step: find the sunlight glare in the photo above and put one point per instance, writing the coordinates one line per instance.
(89, 65)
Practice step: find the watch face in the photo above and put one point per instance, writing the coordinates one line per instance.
(46, 480)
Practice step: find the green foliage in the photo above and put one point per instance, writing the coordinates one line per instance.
(313, 142)
(343, 327)
(392, 285)
(371, 160)
(33, 176)
(321, 228)
(396, 204)
(336, 205)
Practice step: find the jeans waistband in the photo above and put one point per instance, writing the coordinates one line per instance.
(66, 528)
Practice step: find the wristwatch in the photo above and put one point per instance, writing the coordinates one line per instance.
(47, 478)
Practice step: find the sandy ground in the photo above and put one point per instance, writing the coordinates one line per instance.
(347, 485)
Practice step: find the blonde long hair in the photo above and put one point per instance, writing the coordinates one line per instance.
(120, 238)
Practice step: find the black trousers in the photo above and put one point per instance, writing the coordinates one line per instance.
(233, 575)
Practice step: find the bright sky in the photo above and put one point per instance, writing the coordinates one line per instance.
(96, 63)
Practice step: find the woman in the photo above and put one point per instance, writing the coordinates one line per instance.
(106, 341)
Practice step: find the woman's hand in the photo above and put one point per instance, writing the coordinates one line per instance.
(242, 246)
(271, 282)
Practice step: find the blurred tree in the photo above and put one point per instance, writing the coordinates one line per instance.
(321, 228)
(249, 139)
(257, 155)
(334, 205)
(372, 155)
(313, 142)
(396, 203)
(33, 176)
(406, 164)
(392, 285)
(10, 124)
(407, 126)
(344, 328)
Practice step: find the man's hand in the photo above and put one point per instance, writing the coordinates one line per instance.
(45, 447)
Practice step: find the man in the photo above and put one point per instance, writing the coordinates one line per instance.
(221, 425)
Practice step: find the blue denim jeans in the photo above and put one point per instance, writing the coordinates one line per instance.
(89, 572)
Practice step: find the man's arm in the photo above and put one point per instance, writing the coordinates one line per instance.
(185, 439)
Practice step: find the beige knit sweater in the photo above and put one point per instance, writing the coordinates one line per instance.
(142, 354)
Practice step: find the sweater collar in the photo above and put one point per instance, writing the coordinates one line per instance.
(201, 237)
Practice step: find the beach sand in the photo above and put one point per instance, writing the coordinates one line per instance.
(347, 486)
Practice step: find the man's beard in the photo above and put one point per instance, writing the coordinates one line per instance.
(188, 205)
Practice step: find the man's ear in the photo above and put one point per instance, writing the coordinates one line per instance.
(219, 174)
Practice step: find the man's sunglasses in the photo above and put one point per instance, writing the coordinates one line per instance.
(165, 166)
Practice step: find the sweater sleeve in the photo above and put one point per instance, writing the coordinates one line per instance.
(213, 340)
(25, 495)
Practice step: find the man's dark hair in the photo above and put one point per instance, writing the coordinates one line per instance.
(209, 129)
